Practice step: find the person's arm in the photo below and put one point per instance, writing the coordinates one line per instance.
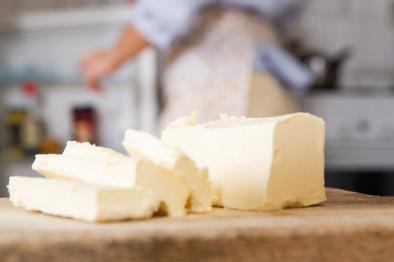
(152, 22)
(129, 44)
(101, 63)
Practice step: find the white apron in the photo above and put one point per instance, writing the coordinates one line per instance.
(212, 72)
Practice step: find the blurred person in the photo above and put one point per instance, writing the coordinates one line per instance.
(209, 47)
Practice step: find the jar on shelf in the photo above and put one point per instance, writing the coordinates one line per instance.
(85, 124)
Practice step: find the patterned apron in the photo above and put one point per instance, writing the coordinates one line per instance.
(211, 69)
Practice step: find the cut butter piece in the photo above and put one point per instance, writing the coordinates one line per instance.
(258, 163)
(81, 201)
(114, 171)
(102, 166)
(86, 149)
(146, 146)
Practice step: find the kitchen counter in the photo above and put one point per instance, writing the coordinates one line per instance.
(347, 227)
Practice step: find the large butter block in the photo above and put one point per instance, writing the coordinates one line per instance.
(102, 166)
(81, 201)
(258, 163)
(146, 146)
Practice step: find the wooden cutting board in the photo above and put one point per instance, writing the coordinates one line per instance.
(348, 227)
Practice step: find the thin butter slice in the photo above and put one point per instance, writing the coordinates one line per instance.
(114, 171)
(81, 201)
(146, 146)
(101, 166)
(258, 163)
(86, 149)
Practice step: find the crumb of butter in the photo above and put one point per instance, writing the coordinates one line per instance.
(185, 121)
(224, 116)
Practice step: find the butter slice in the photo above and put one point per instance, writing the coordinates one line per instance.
(86, 149)
(258, 163)
(81, 201)
(102, 166)
(143, 145)
(114, 171)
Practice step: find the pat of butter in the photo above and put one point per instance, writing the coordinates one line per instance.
(146, 146)
(102, 166)
(258, 163)
(81, 201)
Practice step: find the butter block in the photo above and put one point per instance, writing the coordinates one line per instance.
(146, 146)
(81, 201)
(101, 166)
(258, 163)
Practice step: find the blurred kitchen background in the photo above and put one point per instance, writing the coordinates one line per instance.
(348, 45)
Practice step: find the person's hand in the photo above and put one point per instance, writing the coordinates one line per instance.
(102, 63)
(98, 65)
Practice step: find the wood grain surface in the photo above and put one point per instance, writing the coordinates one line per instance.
(348, 227)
